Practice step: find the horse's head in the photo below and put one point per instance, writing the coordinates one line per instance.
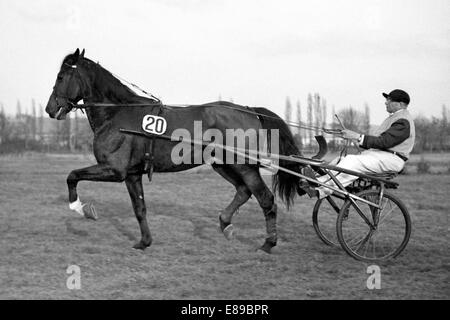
(68, 89)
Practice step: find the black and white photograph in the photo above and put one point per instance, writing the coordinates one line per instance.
(227, 155)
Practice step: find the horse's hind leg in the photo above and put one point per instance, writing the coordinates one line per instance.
(134, 186)
(242, 195)
(255, 183)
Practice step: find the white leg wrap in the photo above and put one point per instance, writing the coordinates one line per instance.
(77, 206)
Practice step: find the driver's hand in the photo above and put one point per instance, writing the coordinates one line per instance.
(350, 135)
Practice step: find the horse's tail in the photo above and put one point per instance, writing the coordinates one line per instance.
(286, 184)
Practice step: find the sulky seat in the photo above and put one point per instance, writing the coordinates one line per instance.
(388, 175)
(365, 183)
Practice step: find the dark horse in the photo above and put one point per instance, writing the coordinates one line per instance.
(121, 157)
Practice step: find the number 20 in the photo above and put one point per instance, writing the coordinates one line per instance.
(154, 124)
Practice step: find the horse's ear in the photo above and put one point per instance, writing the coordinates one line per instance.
(82, 53)
(76, 53)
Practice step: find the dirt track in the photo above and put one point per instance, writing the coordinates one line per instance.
(189, 259)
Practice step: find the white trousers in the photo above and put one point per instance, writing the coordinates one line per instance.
(369, 161)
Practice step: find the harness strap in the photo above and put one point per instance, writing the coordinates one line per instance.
(149, 155)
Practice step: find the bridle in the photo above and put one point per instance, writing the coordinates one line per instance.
(68, 100)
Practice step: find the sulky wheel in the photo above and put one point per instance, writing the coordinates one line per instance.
(385, 236)
(325, 214)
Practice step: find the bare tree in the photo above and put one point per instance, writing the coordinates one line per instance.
(3, 125)
(33, 120)
(444, 114)
(317, 112)
(299, 116)
(288, 110)
(430, 135)
(443, 137)
(333, 123)
(310, 116)
(299, 121)
(352, 119)
(18, 110)
(41, 121)
(366, 120)
(324, 113)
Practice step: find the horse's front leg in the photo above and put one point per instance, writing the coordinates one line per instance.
(94, 173)
(134, 186)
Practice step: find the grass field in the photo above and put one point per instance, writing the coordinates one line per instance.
(189, 259)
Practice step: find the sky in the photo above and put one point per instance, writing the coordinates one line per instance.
(255, 52)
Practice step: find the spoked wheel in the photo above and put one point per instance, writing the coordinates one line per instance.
(325, 214)
(382, 235)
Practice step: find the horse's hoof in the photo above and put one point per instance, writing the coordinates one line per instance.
(265, 249)
(228, 232)
(140, 246)
(226, 228)
(223, 225)
(90, 212)
(267, 246)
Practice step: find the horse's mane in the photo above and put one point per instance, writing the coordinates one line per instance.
(104, 77)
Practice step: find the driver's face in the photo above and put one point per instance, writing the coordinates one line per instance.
(392, 106)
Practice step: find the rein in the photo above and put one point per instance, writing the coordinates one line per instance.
(158, 102)
(90, 105)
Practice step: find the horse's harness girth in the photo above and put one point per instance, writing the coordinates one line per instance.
(149, 153)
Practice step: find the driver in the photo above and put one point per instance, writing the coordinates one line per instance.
(387, 150)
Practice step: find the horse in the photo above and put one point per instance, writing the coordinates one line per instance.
(124, 157)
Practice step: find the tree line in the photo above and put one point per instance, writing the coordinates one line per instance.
(32, 129)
